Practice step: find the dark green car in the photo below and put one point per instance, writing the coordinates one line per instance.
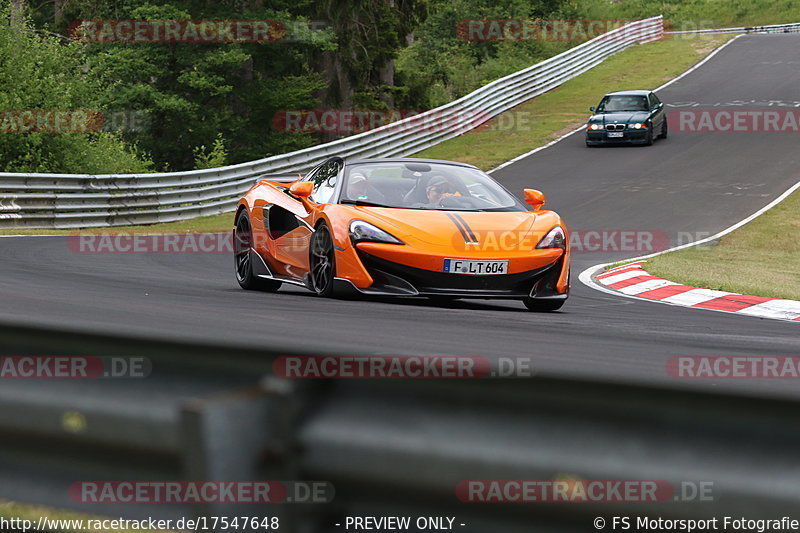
(631, 117)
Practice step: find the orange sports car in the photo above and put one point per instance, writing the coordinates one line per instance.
(402, 227)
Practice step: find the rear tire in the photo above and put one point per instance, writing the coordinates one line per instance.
(542, 306)
(242, 244)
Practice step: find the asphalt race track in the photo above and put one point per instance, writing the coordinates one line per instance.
(691, 183)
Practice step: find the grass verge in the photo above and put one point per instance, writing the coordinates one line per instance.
(760, 258)
(209, 224)
(695, 14)
(70, 521)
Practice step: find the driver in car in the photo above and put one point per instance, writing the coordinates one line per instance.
(438, 189)
(359, 188)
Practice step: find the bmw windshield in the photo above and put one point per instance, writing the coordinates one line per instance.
(618, 103)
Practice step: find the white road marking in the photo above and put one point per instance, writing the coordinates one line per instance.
(695, 296)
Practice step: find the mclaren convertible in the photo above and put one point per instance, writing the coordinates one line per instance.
(401, 227)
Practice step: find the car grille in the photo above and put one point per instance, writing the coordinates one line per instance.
(429, 282)
(615, 127)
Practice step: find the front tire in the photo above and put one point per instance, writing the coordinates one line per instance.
(664, 130)
(322, 262)
(543, 306)
(242, 244)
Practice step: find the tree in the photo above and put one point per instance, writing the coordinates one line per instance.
(43, 78)
(440, 65)
(193, 92)
(360, 72)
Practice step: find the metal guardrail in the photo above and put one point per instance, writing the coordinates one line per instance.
(78, 201)
(389, 447)
(777, 28)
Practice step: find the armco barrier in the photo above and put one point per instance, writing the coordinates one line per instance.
(75, 200)
(389, 447)
(777, 28)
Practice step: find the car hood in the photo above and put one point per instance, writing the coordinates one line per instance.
(449, 228)
(622, 117)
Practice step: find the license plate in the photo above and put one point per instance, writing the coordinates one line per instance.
(475, 268)
(615, 133)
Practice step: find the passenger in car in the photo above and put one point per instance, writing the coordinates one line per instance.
(359, 188)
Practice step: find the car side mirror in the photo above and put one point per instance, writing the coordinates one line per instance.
(301, 189)
(534, 198)
(592, 109)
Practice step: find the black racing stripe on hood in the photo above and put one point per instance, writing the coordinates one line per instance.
(472, 236)
(461, 228)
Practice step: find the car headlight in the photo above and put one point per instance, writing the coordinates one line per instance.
(361, 231)
(639, 126)
(595, 126)
(555, 238)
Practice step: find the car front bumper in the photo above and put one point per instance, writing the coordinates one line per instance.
(628, 136)
(395, 279)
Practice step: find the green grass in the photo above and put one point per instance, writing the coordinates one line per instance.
(761, 258)
(213, 223)
(565, 108)
(10, 510)
(695, 14)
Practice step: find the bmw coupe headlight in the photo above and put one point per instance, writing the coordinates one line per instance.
(361, 231)
(595, 126)
(555, 238)
(639, 126)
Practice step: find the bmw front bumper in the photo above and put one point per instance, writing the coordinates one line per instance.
(628, 137)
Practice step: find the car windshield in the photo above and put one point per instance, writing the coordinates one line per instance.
(614, 103)
(436, 186)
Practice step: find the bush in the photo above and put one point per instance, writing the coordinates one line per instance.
(216, 157)
(439, 66)
(42, 73)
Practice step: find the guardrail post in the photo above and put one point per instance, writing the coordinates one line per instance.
(243, 435)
